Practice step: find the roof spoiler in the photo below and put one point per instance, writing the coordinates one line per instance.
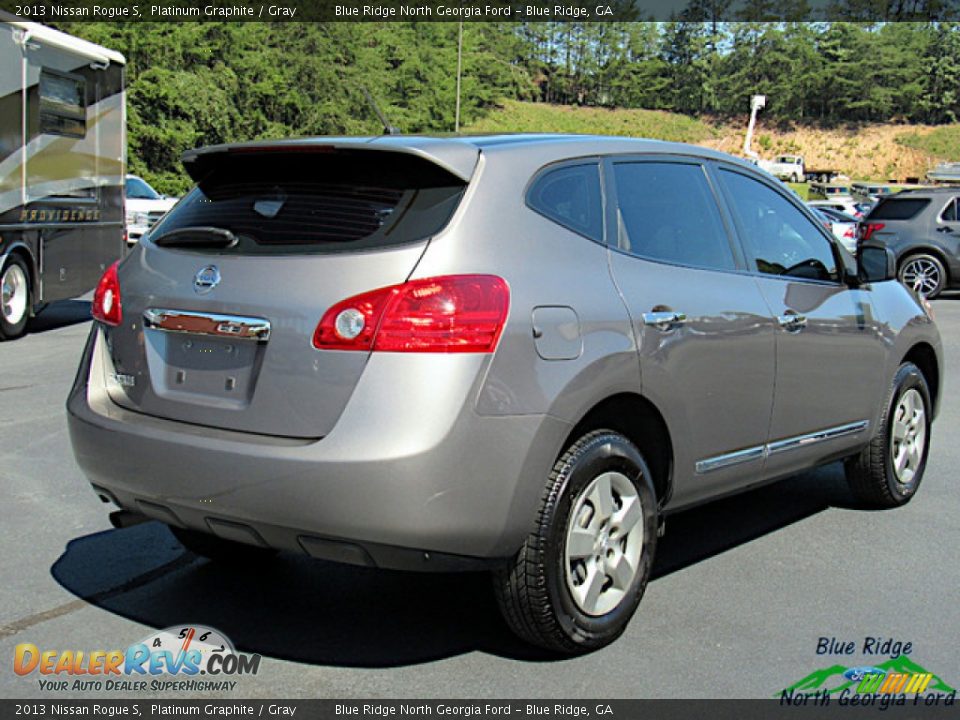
(456, 157)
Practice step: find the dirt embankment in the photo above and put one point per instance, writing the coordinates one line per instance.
(869, 152)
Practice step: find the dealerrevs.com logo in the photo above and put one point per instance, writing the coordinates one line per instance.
(897, 680)
(185, 658)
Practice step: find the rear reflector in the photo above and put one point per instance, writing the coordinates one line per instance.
(106, 305)
(448, 314)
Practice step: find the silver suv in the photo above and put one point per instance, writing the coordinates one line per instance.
(517, 353)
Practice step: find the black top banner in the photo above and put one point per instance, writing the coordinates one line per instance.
(708, 11)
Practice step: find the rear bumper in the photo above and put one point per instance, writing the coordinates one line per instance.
(410, 477)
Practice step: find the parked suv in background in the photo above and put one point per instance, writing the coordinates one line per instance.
(517, 353)
(922, 227)
(144, 206)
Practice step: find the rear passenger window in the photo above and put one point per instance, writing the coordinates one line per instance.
(668, 213)
(570, 195)
(780, 238)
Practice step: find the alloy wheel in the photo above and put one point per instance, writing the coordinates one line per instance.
(604, 543)
(14, 291)
(922, 275)
(908, 436)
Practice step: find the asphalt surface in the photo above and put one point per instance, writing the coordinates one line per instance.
(743, 588)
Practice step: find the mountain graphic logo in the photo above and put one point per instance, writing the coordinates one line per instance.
(836, 678)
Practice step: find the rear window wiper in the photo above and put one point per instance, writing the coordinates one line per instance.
(198, 236)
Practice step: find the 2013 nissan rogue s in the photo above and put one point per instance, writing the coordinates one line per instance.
(517, 353)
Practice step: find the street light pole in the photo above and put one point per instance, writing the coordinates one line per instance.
(456, 121)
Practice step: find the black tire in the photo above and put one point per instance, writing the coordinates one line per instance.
(794, 178)
(534, 592)
(911, 268)
(11, 328)
(872, 474)
(217, 549)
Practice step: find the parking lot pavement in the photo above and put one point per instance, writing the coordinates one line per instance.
(743, 588)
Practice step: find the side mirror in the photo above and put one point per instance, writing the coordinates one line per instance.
(876, 263)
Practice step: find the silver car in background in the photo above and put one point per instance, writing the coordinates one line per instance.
(514, 353)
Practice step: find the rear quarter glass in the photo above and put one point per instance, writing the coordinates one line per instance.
(898, 208)
(291, 203)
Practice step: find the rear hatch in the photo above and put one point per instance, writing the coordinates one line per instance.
(221, 299)
(890, 217)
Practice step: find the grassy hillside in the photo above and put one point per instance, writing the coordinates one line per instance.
(869, 152)
(942, 142)
(514, 116)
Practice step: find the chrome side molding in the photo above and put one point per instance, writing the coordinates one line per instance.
(237, 327)
(800, 441)
(778, 446)
(734, 458)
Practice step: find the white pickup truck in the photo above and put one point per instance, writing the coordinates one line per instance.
(792, 168)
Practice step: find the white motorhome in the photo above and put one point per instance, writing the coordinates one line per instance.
(62, 167)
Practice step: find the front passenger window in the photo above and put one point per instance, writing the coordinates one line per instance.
(780, 239)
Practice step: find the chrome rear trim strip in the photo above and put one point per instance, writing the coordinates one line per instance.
(236, 327)
(762, 451)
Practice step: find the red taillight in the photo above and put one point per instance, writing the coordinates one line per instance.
(448, 314)
(848, 233)
(106, 298)
(868, 229)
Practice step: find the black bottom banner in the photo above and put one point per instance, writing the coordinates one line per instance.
(880, 706)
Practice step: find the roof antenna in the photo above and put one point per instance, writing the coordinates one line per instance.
(388, 129)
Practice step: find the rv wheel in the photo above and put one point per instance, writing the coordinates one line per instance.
(15, 299)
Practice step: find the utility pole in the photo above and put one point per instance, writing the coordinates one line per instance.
(456, 121)
(756, 103)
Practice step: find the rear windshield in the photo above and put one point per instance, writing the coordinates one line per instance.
(311, 202)
(898, 208)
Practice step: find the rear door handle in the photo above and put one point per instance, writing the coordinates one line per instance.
(664, 319)
(792, 321)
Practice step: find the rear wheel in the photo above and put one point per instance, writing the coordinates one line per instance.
(220, 550)
(889, 470)
(580, 574)
(15, 298)
(924, 274)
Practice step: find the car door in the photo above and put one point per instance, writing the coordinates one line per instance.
(830, 345)
(705, 334)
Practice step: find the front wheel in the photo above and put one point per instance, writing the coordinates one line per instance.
(15, 298)
(888, 471)
(924, 274)
(581, 572)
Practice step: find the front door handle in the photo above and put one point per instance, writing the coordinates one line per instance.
(792, 321)
(945, 229)
(664, 319)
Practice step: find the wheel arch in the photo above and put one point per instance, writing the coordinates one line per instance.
(641, 422)
(924, 357)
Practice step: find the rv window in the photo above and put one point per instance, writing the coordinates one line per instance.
(62, 104)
